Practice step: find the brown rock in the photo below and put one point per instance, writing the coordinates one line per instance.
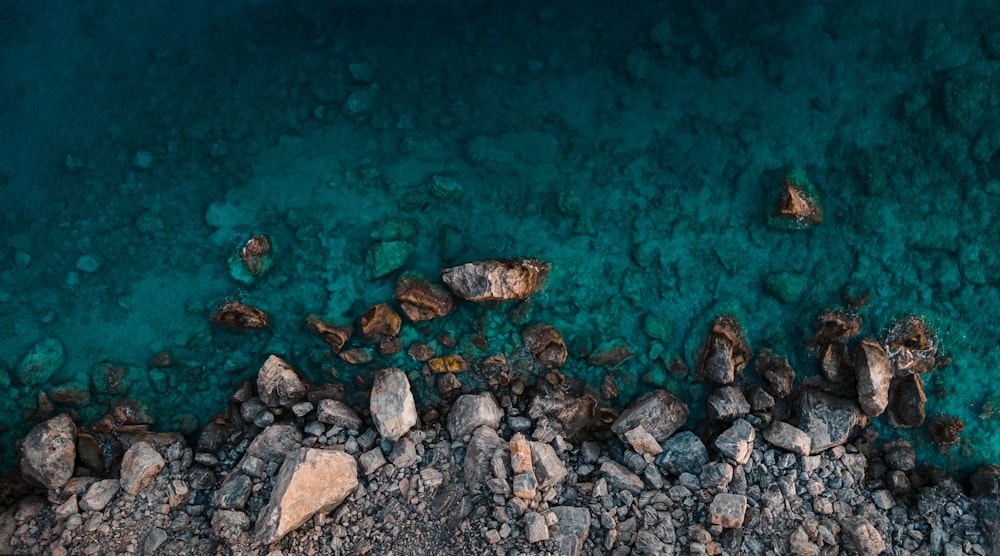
(448, 364)
(545, 344)
(390, 346)
(448, 382)
(257, 254)
(906, 402)
(420, 351)
(725, 353)
(310, 482)
(873, 372)
(357, 356)
(835, 363)
(643, 442)
(497, 280)
(381, 321)
(236, 315)
(827, 419)
(797, 204)
(279, 384)
(945, 430)
(335, 336)
(788, 437)
(612, 355)
(422, 300)
(520, 454)
(835, 326)
(140, 466)
(911, 346)
(777, 372)
(573, 410)
(49, 452)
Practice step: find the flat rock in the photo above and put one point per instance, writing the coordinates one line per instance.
(49, 452)
(659, 412)
(682, 453)
(140, 465)
(472, 411)
(535, 527)
(99, 495)
(874, 372)
(497, 280)
(620, 478)
(736, 442)
(642, 442)
(275, 442)
(337, 413)
(310, 481)
(827, 419)
(44, 360)
(727, 510)
(549, 469)
(392, 407)
(421, 300)
(279, 384)
(788, 437)
(727, 404)
(859, 537)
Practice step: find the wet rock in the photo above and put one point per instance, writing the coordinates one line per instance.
(727, 404)
(985, 482)
(911, 346)
(945, 430)
(610, 355)
(788, 437)
(385, 257)
(859, 537)
(49, 452)
(334, 336)
(279, 384)
(453, 363)
(827, 419)
(420, 351)
(659, 412)
(478, 454)
(236, 315)
(556, 400)
(391, 404)
(736, 442)
(545, 344)
(683, 453)
(421, 300)
(140, 465)
(274, 442)
(835, 326)
(99, 495)
(253, 259)
(497, 280)
(835, 363)
(357, 356)
(44, 360)
(725, 353)
(573, 527)
(471, 412)
(906, 402)
(338, 414)
(727, 510)
(777, 372)
(873, 372)
(798, 205)
(310, 482)
(379, 322)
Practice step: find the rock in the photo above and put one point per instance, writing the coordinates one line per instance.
(391, 404)
(827, 419)
(945, 430)
(535, 527)
(835, 326)
(736, 442)
(835, 363)
(985, 482)
(253, 259)
(233, 493)
(88, 263)
(859, 537)
(335, 336)
(337, 413)
(236, 315)
(683, 453)
(274, 443)
(453, 363)
(573, 527)
(99, 495)
(800, 545)
(230, 524)
(906, 402)
(525, 485)
(48, 452)
(154, 539)
(497, 280)
(479, 453)
(642, 442)
(900, 455)
(620, 478)
(310, 481)
(445, 188)
(520, 454)
(727, 510)
(787, 287)
(727, 404)
(777, 372)
(279, 384)
(659, 412)
(140, 465)
(44, 360)
(379, 322)
(725, 353)
(555, 399)
(371, 460)
(610, 354)
(798, 205)
(545, 344)
(471, 412)
(788, 437)
(385, 257)
(911, 346)
(548, 468)
(421, 300)
(873, 372)
(759, 399)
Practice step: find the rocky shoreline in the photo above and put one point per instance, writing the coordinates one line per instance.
(518, 467)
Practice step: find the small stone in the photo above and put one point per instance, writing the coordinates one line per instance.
(883, 499)
(620, 478)
(140, 465)
(379, 322)
(535, 527)
(520, 454)
(798, 205)
(421, 300)
(525, 485)
(49, 452)
(788, 437)
(302, 409)
(154, 540)
(496, 280)
(279, 384)
(99, 495)
(338, 414)
(727, 510)
(549, 469)
(471, 412)
(573, 527)
(900, 455)
(230, 524)
(236, 315)
(233, 493)
(392, 407)
(800, 545)
(371, 460)
(385, 257)
(643, 442)
(420, 351)
(448, 364)
(736, 442)
(859, 537)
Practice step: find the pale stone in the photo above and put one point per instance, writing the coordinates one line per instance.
(140, 465)
(279, 384)
(471, 412)
(392, 407)
(49, 452)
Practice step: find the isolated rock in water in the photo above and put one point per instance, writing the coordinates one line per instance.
(42, 362)
(335, 336)
(140, 465)
(788, 437)
(253, 259)
(236, 315)
(859, 537)
(827, 419)
(379, 322)
(659, 412)
(545, 344)
(392, 406)
(874, 374)
(798, 205)
(834, 325)
(422, 300)
(279, 384)
(385, 257)
(310, 481)
(945, 430)
(49, 452)
(683, 453)
(497, 280)
(906, 402)
(471, 412)
(911, 346)
(725, 353)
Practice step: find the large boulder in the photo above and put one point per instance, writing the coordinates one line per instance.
(472, 411)
(422, 300)
(485, 442)
(42, 362)
(140, 465)
(683, 453)
(310, 481)
(275, 442)
(873, 371)
(827, 419)
(906, 402)
(49, 452)
(497, 280)
(725, 353)
(279, 384)
(659, 412)
(392, 406)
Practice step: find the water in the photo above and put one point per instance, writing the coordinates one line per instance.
(638, 147)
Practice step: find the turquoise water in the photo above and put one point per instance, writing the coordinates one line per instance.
(639, 147)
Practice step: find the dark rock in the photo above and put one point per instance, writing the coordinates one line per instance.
(548, 468)
(725, 353)
(610, 355)
(759, 399)
(873, 372)
(835, 363)
(906, 402)
(49, 452)
(478, 454)
(683, 453)
(234, 493)
(334, 336)
(659, 412)
(421, 300)
(727, 510)
(835, 326)
(279, 384)
(275, 442)
(573, 527)
(44, 360)
(945, 430)
(727, 403)
(620, 478)
(337, 413)
(985, 482)
(555, 399)
(827, 419)
(471, 412)
(777, 372)
(545, 344)
(497, 280)
(236, 315)
(900, 455)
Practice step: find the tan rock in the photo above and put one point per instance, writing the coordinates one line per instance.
(335, 336)
(727, 510)
(140, 465)
(546, 345)
(874, 372)
(381, 321)
(49, 452)
(235, 314)
(279, 384)
(310, 481)
(497, 280)
(422, 300)
(520, 454)
(642, 442)
(392, 407)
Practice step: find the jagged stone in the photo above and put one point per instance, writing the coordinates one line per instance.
(620, 478)
(334, 336)
(545, 344)
(485, 442)
(535, 527)
(659, 412)
(379, 322)
(788, 437)
(392, 407)
(140, 465)
(274, 443)
(496, 280)
(683, 453)
(573, 527)
(827, 419)
(736, 442)
(236, 315)
(471, 412)
(49, 452)
(873, 372)
(279, 384)
(727, 510)
(548, 468)
(421, 300)
(725, 353)
(337, 413)
(643, 442)
(727, 404)
(99, 495)
(859, 537)
(520, 454)
(777, 372)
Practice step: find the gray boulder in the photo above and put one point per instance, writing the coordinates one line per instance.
(279, 384)
(873, 371)
(49, 452)
(392, 405)
(471, 412)
(827, 419)
(659, 412)
(683, 453)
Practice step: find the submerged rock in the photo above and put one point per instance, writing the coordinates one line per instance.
(385, 257)
(725, 353)
(421, 300)
(911, 346)
(44, 360)
(497, 280)
(335, 336)
(236, 315)
(391, 404)
(873, 372)
(945, 430)
(49, 452)
(545, 344)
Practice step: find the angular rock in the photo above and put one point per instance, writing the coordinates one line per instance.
(421, 300)
(49, 452)
(381, 321)
(558, 402)
(545, 344)
(659, 412)
(642, 442)
(254, 258)
(835, 326)
(453, 363)
(945, 430)
(334, 336)
(140, 465)
(859, 537)
(620, 478)
(906, 402)
(548, 468)
(777, 372)
(310, 481)
(338, 414)
(99, 495)
(371, 460)
(874, 372)
(610, 354)
(497, 280)
(573, 527)
(279, 384)
(392, 407)
(525, 485)
(274, 443)
(985, 482)
(736, 442)
(900, 455)
(798, 205)
(759, 399)
(44, 360)
(835, 363)
(788, 437)
(727, 404)
(727, 510)
(479, 453)
(234, 493)
(385, 257)
(683, 453)
(471, 412)
(725, 353)
(827, 419)
(230, 524)
(520, 454)
(535, 527)
(236, 315)
(911, 346)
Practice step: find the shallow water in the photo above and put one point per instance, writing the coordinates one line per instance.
(641, 158)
